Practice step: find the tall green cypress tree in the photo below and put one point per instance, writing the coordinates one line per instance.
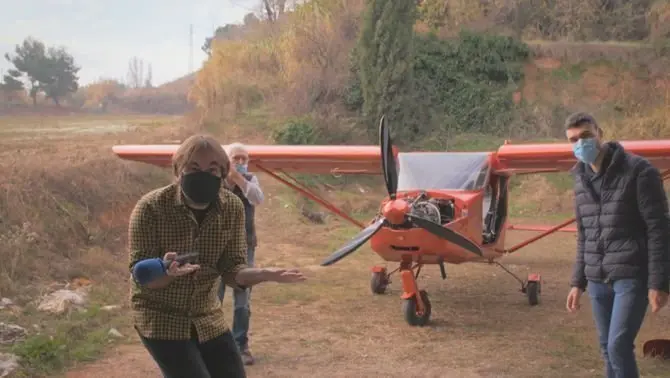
(385, 58)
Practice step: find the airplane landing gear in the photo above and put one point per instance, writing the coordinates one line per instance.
(414, 317)
(379, 280)
(532, 287)
(416, 305)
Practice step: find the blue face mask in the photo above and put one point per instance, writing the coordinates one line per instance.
(586, 150)
(242, 168)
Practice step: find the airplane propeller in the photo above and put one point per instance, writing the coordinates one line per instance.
(397, 210)
(355, 243)
(446, 234)
(388, 160)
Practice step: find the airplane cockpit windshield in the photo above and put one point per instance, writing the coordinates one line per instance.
(442, 170)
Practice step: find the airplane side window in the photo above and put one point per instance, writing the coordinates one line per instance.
(481, 179)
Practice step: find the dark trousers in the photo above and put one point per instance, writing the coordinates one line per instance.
(618, 310)
(216, 358)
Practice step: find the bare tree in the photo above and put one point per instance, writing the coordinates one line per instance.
(269, 12)
(135, 76)
(147, 81)
(274, 9)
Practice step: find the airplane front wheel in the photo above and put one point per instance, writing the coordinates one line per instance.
(409, 308)
(533, 292)
(378, 282)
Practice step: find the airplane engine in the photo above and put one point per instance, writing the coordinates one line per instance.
(434, 210)
(427, 210)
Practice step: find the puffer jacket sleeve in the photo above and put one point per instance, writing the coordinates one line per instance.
(578, 275)
(653, 207)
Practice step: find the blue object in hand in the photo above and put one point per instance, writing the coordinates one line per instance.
(149, 270)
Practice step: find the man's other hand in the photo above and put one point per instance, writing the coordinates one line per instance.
(176, 270)
(572, 303)
(657, 299)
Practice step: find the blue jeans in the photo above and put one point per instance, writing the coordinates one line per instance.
(618, 310)
(242, 309)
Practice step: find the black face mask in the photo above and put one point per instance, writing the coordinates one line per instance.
(201, 187)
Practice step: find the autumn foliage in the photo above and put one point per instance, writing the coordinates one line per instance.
(305, 64)
(294, 63)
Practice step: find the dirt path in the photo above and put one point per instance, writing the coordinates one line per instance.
(132, 361)
(129, 361)
(482, 326)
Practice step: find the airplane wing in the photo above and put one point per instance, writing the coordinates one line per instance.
(558, 157)
(363, 159)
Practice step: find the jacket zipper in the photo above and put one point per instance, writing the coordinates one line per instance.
(601, 249)
(588, 185)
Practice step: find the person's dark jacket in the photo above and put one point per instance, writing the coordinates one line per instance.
(623, 227)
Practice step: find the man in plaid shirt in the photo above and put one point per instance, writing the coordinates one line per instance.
(178, 315)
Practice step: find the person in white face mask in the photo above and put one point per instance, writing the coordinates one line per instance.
(246, 186)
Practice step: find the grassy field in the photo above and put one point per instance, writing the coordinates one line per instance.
(75, 196)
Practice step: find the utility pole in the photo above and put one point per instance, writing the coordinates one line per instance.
(190, 49)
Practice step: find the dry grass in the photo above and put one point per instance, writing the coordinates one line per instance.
(61, 189)
(630, 102)
(541, 196)
(590, 52)
(64, 203)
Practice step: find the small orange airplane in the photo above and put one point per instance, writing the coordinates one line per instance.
(442, 207)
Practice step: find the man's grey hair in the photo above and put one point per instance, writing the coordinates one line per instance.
(232, 148)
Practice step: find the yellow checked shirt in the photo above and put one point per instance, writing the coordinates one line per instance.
(160, 223)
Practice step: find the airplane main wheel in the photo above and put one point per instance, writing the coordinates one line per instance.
(533, 292)
(411, 315)
(378, 282)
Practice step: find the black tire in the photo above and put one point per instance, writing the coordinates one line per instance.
(533, 293)
(378, 282)
(409, 310)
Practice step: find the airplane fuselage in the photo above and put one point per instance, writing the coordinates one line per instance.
(460, 211)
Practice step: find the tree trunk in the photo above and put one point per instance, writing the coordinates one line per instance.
(33, 93)
(268, 10)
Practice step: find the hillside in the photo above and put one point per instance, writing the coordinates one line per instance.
(106, 97)
(303, 71)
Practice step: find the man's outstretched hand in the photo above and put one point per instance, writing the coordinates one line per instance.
(284, 275)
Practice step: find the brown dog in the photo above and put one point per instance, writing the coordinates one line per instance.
(657, 348)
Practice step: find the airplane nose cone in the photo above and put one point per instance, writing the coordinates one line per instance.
(394, 211)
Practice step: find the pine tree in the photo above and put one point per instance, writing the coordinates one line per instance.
(385, 58)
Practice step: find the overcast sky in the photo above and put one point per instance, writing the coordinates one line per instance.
(103, 35)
